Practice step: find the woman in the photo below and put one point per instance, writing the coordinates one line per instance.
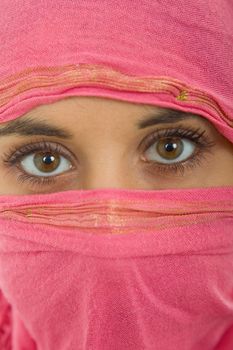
(116, 206)
(100, 148)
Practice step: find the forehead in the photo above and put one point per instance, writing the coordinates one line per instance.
(64, 126)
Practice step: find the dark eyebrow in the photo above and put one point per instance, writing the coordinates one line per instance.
(30, 127)
(165, 116)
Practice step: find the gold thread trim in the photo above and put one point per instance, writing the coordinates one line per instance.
(183, 96)
(115, 207)
(119, 224)
(102, 76)
(118, 204)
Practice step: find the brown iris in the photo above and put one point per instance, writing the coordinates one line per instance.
(170, 148)
(46, 161)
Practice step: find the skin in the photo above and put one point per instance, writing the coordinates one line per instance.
(105, 149)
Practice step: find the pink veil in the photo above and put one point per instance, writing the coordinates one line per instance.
(171, 54)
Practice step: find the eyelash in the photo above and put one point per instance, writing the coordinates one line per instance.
(203, 143)
(14, 155)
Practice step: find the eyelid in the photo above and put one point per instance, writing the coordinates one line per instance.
(17, 153)
(204, 146)
(193, 134)
(178, 131)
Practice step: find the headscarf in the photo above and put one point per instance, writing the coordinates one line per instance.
(118, 269)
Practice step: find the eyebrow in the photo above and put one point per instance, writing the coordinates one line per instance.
(166, 116)
(30, 127)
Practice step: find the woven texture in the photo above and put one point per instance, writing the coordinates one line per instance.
(118, 270)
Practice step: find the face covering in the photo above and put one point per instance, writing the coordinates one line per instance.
(118, 269)
(121, 269)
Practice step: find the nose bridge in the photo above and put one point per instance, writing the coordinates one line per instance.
(105, 173)
(108, 161)
(106, 167)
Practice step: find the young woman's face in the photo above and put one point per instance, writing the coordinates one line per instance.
(102, 145)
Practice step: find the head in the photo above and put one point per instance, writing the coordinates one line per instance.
(92, 142)
(117, 269)
(73, 50)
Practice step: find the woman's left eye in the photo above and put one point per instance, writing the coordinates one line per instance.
(170, 151)
(175, 150)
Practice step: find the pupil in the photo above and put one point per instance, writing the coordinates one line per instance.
(48, 159)
(46, 162)
(170, 147)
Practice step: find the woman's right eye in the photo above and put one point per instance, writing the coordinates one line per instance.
(45, 164)
(40, 162)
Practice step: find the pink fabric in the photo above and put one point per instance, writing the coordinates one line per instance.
(110, 269)
(175, 53)
(5, 323)
(121, 269)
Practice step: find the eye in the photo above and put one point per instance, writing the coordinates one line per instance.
(40, 162)
(169, 151)
(45, 163)
(175, 150)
